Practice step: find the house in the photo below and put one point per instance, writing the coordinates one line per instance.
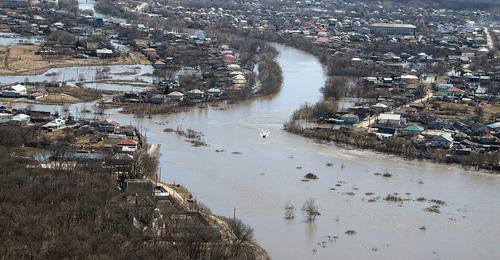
(494, 126)
(380, 107)
(195, 94)
(487, 139)
(441, 124)
(127, 130)
(20, 119)
(453, 91)
(228, 59)
(478, 129)
(389, 119)
(4, 110)
(233, 67)
(175, 96)
(460, 136)
(107, 126)
(413, 129)
(159, 65)
(394, 29)
(5, 118)
(104, 53)
(57, 123)
(158, 99)
(14, 91)
(214, 92)
(127, 145)
(350, 119)
(442, 141)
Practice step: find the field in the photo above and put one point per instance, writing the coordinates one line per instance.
(22, 60)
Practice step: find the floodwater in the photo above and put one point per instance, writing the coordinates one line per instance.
(7, 39)
(86, 4)
(140, 73)
(262, 176)
(89, 5)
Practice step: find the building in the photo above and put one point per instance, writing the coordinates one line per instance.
(350, 119)
(5, 118)
(14, 91)
(20, 119)
(394, 29)
(55, 124)
(413, 129)
(389, 119)
(442, 141)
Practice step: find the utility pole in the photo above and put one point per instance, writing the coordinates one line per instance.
(234, 214)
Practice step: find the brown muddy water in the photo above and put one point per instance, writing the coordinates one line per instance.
(259, 176)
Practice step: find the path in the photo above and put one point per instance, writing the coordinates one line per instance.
(489, 40)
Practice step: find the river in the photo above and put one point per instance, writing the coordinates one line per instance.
(263, 176)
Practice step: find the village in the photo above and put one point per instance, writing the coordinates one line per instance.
(420, 83)
(427, 76)
(171, 69)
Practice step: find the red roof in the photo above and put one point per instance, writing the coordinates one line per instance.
(112, 122)
(454, 89)
(127, 142)
(487, 136)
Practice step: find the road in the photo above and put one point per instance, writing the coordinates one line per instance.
(489, 40)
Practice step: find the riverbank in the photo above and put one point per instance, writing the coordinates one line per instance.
(400, 147)
(188, 202)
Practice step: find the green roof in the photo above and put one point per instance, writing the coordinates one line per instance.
(414, 128)
(444, 85)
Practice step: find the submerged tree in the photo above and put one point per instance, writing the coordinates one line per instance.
(311, 209)
(289, 210)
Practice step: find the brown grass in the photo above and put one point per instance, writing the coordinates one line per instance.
(22, 60)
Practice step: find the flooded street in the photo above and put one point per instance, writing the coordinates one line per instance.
(258, 176)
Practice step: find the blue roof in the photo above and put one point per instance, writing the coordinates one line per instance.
(494, 125)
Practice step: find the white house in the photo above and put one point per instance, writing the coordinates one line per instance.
(5, 118)
(55, 124)
(14, 91)
(175, 96)
(21, 119)
(389, 119)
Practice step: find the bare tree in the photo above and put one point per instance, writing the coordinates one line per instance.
(311, 209)
(242, 234)
(289, 210)
(142, 165)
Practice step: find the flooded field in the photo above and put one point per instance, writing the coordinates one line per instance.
(7, 39)
(140, 73)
